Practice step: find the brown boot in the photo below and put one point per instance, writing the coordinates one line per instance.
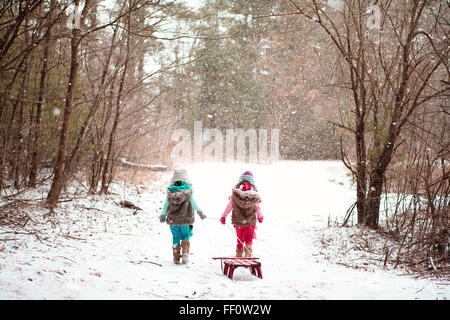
(248, 251)
(176, 254)
(185, 244)
(239, 252)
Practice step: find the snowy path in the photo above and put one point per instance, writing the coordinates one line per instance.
(112, 254)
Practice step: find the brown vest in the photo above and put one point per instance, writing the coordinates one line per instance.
(244, 211)
(180, 210)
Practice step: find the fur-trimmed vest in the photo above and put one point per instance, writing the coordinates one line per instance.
(180, 211)
(244, 211)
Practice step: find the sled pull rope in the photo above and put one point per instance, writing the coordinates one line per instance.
(209, 239)
(229, 228)
(244, 245)
(210, 242)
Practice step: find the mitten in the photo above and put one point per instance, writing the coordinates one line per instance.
(260, 219)
(222, 220)
(201, 214)
(162, 218)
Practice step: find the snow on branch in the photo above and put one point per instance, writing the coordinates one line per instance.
(152, 167)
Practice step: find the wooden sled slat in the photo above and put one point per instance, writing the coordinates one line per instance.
(232, 263)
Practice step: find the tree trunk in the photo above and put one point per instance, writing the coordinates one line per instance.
(18, 146)
(109, 156)
(361, 176)
(97, 165)
(374, 200)
(40, 103)
(108, 168)
(58, 178)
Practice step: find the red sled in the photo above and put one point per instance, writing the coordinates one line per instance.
(229, 264)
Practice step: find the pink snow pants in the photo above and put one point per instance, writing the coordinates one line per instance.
(245, 235)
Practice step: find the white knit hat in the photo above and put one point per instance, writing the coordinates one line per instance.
(180, 174)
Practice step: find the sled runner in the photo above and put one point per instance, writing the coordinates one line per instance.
(229, 264)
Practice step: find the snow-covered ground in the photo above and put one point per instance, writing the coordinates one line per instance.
(95, 249)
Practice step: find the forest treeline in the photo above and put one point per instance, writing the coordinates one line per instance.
(87, 82)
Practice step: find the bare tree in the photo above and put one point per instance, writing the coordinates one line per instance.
(58, 179)
(41, 99)
(390, 52)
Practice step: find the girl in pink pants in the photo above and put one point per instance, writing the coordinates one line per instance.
(244, 205)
